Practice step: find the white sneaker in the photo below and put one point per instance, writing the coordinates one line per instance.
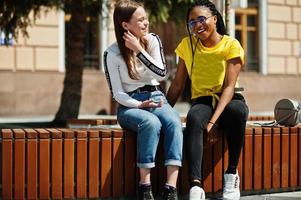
(231, 187)
(196, 193)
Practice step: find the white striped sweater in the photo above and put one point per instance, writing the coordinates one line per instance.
(150, 65)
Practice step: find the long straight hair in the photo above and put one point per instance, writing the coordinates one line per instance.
(123, 12)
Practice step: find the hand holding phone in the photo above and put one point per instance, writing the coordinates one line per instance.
(151, 104)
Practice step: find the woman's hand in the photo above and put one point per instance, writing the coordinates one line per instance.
(209, 127)
(132, 42)
(213, 133)
(151, 104)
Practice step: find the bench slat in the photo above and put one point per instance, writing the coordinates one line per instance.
(106, 164)
(81, 164)
(19, 163)
(32, 164)
(68, 159)
(117, 162)
(56, 164)
(239, 168)
(276, 142)
(44, 164)
(267, 158)
(248, 160)
(7, 164)
(218, 166)
(284, 157)
(207, 171)
(257, 168)
(93, 163)
(299, 156)
(293, 156)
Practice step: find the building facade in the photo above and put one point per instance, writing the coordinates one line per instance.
(32, 69)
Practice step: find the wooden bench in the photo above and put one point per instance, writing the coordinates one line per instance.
(112, 119)
(260, 118)
(88, 122)
(101, 163)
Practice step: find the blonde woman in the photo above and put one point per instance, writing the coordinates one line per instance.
(134, 66)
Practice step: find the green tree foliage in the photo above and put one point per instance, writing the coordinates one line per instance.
(164, 10)
(17, 15)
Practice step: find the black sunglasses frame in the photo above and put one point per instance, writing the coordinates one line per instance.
(202, 19)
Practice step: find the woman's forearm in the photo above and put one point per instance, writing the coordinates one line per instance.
(222, 103)
(173, 93)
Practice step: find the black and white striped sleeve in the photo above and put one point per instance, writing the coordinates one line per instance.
(114, 81)
(154, 60)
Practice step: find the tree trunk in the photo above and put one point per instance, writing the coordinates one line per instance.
(71, 95)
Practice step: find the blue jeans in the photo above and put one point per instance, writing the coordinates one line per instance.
(148, 123)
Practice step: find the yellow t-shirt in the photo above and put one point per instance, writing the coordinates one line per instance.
(209, 64)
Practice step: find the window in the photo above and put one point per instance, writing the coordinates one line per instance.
(91, 50)
(246, 31)
(91, 43)
(252, 3)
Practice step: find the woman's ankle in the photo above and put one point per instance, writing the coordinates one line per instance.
(231, 170)
(195, 183)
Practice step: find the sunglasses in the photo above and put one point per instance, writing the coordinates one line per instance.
(201, 19)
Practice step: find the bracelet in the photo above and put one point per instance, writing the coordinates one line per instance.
(214, 124)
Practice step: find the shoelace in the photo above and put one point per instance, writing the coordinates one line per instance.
(236, 182)
(230, 183)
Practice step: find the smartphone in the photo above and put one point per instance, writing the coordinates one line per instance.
(156, 98)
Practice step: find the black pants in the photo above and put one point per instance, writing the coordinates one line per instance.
(232, 120)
